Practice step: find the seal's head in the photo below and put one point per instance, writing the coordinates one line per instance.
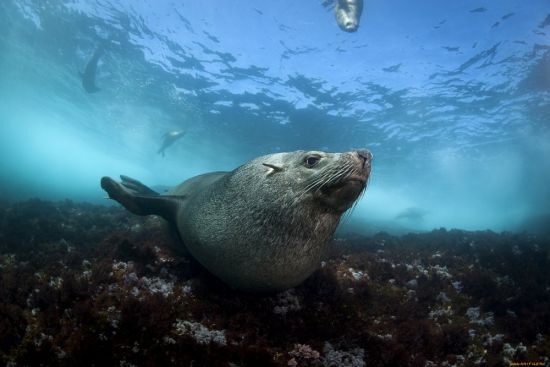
(264, 226)
(348, 13)
(332, 181)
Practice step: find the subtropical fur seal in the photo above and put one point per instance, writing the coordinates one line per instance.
(169, 139)
(88, 76)
(263, 226)
(348, 13)
(412, 213)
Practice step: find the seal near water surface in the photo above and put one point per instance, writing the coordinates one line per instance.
(348, 13)
(170, 138)
(89, 74)
(263, 226)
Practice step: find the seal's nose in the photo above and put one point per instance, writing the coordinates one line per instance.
(366, 156)
(350, 26)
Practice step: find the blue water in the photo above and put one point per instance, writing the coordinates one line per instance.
(453, 99)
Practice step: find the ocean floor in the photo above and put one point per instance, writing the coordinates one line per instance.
(95, 285)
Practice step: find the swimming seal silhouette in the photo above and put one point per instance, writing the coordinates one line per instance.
(88, 76)
(412, 213)
(169, 139)
(263, 226)
(348, 13)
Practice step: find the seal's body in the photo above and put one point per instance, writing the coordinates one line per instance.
(348, 14)
(264, 226)
(88, 76)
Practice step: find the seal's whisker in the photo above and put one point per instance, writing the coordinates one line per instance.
(350, 211)
(336, 177)
(329, 177)
(340, 175)
(318, 180)
(315, 183)
(322, 182)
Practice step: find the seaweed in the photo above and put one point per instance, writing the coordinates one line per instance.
(82, 284)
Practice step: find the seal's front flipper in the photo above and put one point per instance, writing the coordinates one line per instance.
(164, 205)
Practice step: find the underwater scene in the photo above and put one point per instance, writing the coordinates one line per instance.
(274, 183)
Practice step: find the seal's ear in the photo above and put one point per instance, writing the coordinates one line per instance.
(274, 168)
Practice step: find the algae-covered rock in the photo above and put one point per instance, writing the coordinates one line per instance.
(93, 285)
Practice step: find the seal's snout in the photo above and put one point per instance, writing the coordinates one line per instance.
(350, 26)
(366, 157)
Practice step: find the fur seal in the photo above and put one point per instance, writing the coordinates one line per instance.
(169, 139)
(88, 76)
(412, 213)
(348, 14)
(263, 226)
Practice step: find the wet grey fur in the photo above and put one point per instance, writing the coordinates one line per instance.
(258, 228)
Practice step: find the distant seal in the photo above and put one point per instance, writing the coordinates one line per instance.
(263, 226)
(169, 139)
(412, 213)
(88, 76)
(348, 13)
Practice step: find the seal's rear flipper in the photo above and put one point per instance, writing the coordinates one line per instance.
(136, 202)
(137, 187)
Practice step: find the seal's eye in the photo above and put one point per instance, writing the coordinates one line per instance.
(312, 161)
